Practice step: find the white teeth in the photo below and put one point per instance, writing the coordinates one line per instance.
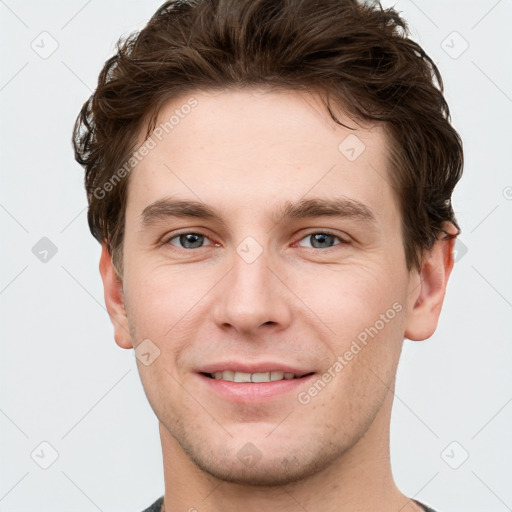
(228, 375)
(252, 377)
(260, 377)
(242, 377)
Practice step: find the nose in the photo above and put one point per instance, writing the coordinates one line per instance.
(252, 296)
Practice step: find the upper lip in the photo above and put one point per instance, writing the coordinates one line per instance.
(262, 367)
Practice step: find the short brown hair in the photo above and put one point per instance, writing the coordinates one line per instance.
(357, 53)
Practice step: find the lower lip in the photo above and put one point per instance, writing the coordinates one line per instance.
(251, 392)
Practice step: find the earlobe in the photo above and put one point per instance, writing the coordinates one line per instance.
(114, 299)
(425, 305)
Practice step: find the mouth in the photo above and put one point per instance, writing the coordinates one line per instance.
(259, 377)
(257, 387)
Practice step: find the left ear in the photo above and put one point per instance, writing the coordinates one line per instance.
(428, 288)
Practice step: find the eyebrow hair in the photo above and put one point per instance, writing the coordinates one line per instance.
(337, 207)
(341, 207)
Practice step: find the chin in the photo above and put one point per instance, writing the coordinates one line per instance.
(264, 473)
(265, 462)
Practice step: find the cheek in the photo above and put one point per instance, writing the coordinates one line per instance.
(162, 296)
(347, 299)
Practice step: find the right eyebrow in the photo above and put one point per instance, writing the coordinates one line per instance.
(165, 208)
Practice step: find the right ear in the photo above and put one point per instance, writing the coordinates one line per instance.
(114, 299)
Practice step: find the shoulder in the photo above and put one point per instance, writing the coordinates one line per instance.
(427, 508)
(156, 506)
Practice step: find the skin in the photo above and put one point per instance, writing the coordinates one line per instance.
(244, 153)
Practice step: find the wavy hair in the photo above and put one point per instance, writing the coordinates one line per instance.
(356, 54)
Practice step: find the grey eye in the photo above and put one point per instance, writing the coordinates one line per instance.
(320, 240)
(188, 240)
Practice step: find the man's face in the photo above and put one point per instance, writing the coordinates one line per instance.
(258, 287)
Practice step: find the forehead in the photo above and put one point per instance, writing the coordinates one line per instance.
(252, 148)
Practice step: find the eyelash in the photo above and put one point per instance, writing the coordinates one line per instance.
(342, 241)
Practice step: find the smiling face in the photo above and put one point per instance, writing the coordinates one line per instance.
(255, 242)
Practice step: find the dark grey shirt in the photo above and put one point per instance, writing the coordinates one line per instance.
(157, 505)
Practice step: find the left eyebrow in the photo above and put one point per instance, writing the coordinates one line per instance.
(342, 207)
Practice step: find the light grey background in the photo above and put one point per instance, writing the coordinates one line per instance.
(65, 382)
